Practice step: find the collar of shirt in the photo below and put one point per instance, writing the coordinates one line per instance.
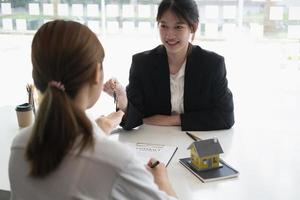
(181, 71)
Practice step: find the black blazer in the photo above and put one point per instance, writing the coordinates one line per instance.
(208, 103)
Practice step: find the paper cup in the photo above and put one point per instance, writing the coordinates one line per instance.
(24, 115)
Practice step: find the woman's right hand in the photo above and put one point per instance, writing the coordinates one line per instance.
(111, 86)
(161, 178)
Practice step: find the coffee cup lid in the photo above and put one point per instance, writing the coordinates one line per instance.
(24, 107)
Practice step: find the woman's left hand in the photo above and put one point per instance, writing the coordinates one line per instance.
(110, 122)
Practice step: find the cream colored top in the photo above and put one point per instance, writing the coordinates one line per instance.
(111, 171)
(177, 90)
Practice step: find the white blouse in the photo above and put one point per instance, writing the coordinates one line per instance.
(177, 90)
(110, 171)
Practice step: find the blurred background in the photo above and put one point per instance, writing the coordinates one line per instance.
(260, 40)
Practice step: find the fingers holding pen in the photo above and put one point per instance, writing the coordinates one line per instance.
(113, 85)
(153, 163)
(109, 86)
(113, 88)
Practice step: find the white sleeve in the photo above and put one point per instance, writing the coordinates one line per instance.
(135, 182)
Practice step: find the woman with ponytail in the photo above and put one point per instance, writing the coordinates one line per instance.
(65, 154)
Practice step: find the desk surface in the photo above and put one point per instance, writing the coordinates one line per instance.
(267, 158)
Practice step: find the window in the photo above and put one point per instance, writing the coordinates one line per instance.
(131, 27)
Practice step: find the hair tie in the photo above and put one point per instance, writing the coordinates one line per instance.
(57, 84)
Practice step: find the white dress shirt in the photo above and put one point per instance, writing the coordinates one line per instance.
(177, 90)
(111, 171)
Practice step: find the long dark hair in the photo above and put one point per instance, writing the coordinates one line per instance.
(184, 9)
(66, 52)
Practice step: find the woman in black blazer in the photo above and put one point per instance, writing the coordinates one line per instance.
(176, 83)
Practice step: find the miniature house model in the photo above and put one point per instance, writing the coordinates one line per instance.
(205, 154)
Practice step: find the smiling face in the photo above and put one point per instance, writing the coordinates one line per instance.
(174, 33)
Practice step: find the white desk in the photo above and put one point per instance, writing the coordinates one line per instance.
(268, 159)
(8, 130)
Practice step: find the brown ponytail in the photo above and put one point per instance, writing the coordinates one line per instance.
(66, 52)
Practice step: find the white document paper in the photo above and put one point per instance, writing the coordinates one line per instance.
(146, 151)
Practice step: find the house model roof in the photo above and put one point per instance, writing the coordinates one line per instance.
(207, 147)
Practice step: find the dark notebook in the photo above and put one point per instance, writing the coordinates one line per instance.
(223, 172)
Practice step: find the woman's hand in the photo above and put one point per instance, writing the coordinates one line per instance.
(163, 120)
(110, 122)
(161, 178)
(111, 86)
